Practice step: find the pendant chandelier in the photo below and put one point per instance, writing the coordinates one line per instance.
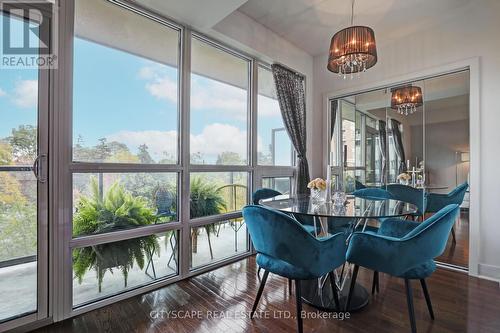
(405, 100)
(352, 50)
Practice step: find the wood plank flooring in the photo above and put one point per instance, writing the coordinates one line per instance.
(461, 304)
(458, 253)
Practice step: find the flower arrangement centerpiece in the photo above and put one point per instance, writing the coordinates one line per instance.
(404, 178)
(318, 189)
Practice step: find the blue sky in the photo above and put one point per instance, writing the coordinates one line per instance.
(131, 99)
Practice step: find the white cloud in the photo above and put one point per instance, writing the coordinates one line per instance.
(213, 140)
(25, 93)
(225, 99)
(217, 138)
(229, 100)
(2, 92)
(163, 88)
(158, 84)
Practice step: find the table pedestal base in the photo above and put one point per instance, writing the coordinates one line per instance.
(322, 299)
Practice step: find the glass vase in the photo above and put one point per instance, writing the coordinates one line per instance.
(318, 196)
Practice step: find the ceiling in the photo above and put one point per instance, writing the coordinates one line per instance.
(310, 24)
(197, 13)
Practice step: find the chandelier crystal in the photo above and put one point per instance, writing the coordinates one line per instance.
(405, 100)
(352, 50)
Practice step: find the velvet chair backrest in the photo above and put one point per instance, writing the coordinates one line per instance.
(263, 193)
(436, 201)
(396, 256)
(373, 193)
(433, 233)
(279, 236)
(409, 194)
(359, 185)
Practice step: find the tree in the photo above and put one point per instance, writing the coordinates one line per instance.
(264, 159)
(102, 150)
(5, 153)
(144, 156)
(168, 159)
(24, 144)
(229, 158)
(197, 158)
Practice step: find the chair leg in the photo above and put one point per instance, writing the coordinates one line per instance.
(427, 298)
(334, 290)
(375, 283)
(411, 311)
(454, 239)
(351, 287)
(289, 286)
(298, 298)
(259, 293)
(258, 272)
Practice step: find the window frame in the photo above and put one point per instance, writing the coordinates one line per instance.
(64, 167)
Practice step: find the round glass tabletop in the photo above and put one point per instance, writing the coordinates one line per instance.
(354, 207)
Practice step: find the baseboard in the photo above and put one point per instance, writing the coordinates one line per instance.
(489, 272)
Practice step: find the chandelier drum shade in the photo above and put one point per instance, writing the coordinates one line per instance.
(406, 100)
(352, 50)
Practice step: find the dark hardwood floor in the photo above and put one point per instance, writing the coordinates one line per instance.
(458, 253)
(461, 304)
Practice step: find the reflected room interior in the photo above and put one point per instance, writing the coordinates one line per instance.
(374, 143)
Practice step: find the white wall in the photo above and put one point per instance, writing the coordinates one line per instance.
(472, 32)
(441, 163)
(248, 35)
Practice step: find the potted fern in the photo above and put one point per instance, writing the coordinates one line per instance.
(117, 209)
(205, 201)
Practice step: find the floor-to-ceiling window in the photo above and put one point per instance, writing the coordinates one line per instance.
(125, 156)
(23, 171)
(275, 152)
(171, 132)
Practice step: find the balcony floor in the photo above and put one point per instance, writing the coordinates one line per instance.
(18, 283)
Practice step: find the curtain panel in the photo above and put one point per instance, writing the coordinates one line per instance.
(291, 97)
(382, 133)
(398, 144)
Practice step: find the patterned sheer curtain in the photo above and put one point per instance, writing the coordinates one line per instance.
(291, 97)
(398, 144)
(382, 133)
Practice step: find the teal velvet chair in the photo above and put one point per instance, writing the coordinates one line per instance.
(373, 193)
(411, 195)
(284, 247)
(359, 185)
(436, 201)
(403, 249)
(267, 193)
(264, 193)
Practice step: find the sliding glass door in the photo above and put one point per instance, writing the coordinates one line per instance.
(23, 180)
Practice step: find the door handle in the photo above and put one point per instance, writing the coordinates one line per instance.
(38, 170)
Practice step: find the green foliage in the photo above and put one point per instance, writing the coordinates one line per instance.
(205, 199)
(229, 158)
(24, 143)
(116, 210)
(18, 230)
(144, 156)
(5, 153)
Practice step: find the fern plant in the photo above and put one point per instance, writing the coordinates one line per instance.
(205, 201)
(117, 209)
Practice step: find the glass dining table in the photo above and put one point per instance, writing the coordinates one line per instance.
(356, 214)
